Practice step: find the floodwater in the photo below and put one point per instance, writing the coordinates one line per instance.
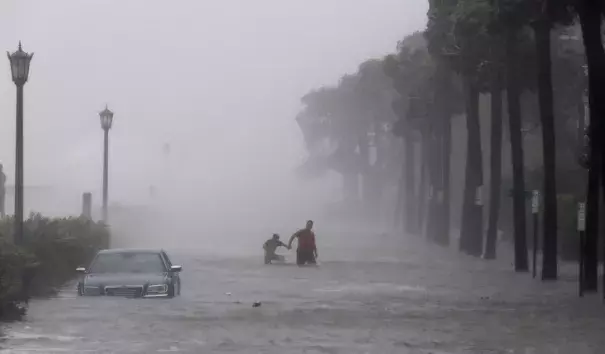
(378, 294)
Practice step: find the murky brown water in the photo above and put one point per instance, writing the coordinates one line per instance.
(377, 297)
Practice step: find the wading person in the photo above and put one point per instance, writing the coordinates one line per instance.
(270, 246)
(306, 252)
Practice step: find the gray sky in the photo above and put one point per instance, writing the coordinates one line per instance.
(218, 80)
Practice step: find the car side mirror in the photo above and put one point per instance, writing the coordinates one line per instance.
(176, 268)
(81, 270)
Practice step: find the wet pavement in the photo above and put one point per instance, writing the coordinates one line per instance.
(377, 294)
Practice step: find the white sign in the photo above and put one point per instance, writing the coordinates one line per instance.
(581, 216)
(535, 202)
(479, 195)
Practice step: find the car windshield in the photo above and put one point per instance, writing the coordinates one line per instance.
(128, 263)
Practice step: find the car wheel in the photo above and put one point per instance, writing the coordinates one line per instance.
(171, 290)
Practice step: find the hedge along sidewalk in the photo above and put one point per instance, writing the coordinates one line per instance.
(52, 249)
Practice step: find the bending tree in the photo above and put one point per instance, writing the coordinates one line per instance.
(510, 14)
(411, 70)
(591, 13)
(471, 58)
(496, 86)
(545, 14)
(439, 38)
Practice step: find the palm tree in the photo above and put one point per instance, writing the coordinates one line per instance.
(513, 95)
(590, 13)
(542, 29)
(495, 162)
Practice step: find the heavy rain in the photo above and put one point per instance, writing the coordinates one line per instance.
(271, 176)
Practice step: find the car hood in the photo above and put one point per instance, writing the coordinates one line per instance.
(119, 279)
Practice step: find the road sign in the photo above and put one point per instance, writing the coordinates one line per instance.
(581, 216)
(535, 202)
(479, 195)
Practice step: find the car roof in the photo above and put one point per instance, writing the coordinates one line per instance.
(130, 250)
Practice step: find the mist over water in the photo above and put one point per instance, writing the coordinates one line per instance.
(235, 220)
(218, 82)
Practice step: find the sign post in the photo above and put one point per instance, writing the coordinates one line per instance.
(479, 195)
(581, 229)
(535, 210)
(87, 205)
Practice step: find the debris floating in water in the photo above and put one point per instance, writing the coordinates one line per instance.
(256, 304)
(228, 294)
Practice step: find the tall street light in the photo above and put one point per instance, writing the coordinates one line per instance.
(106, 120)
(19, 62)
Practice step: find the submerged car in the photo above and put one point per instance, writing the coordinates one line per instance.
(130, 273)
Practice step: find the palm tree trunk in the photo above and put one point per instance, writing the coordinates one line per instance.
(495, 165)
(410, 184)
(590, 265)
(444, 235)
(471, 237)
(516, 142)
(434, 210)
(545, 95)
(581, 130)
(590, 20)
(366, 180)
(430, 214)
(422, 189)
(399, 209)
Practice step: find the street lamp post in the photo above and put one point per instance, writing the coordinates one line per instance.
(19, 62)
(106, 121)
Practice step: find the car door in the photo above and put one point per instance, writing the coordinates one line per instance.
(176, 278)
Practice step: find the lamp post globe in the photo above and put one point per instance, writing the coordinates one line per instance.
(106, 118)
(19, 63)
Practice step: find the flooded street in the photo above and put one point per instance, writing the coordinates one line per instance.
(205, 128)
(381, 297)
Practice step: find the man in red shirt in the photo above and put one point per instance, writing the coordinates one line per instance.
(306, 253)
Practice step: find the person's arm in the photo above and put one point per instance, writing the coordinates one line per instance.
(292, 239)
(265, 245)
(283, 244)
(315, 247)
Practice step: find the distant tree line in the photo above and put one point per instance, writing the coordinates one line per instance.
(524, 65)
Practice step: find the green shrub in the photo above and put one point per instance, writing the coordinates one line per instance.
(52, 249)
(14, 266)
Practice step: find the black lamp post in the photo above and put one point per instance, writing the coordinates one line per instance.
(19, 62)
(106, 121)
